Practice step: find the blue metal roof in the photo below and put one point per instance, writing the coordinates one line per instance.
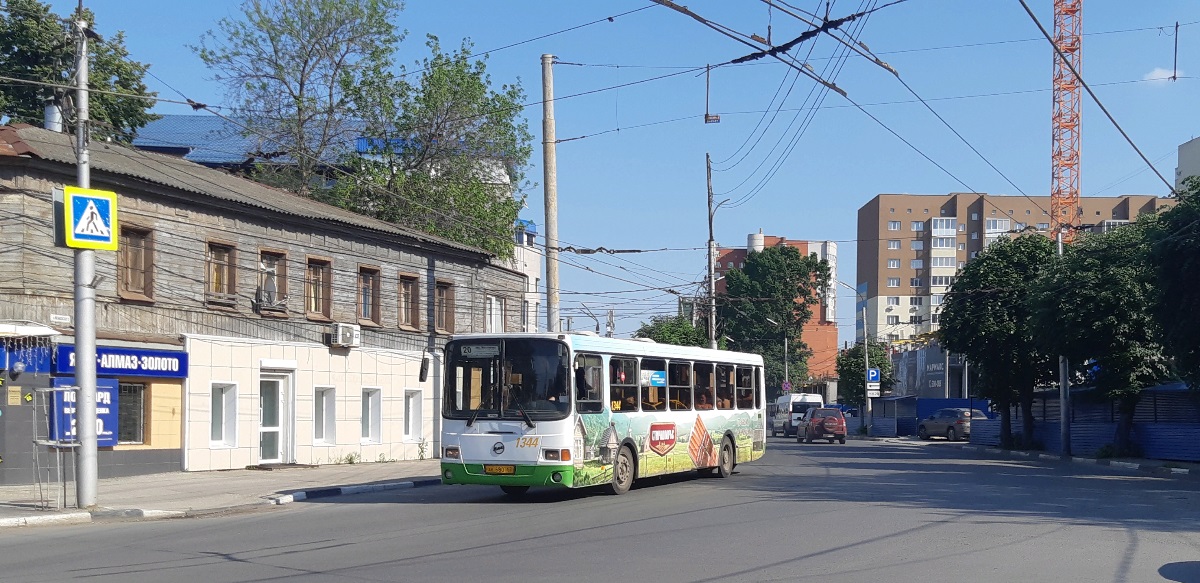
(203, 139)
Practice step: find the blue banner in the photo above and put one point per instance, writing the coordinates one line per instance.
(128, 362)
(62, 414)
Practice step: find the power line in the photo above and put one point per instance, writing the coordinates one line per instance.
(1092, 94)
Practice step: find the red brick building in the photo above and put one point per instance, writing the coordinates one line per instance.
(820, 333)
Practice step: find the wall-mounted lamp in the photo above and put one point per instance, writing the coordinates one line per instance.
(17, 368)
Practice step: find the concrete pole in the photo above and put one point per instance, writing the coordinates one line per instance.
(712, 256)
(550, 177)
(85, 303)
(1064, 387)
(787, 377)
(867, 417)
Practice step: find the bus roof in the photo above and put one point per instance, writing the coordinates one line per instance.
(588, 342)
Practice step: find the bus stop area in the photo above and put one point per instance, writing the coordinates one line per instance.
(190, 494)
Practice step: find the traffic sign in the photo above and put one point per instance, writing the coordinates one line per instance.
(787, 386)
(90, 218)
(872, 375)
(872, 394)
(872, 390)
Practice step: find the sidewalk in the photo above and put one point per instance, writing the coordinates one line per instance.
(188, 494)
(1160, 468)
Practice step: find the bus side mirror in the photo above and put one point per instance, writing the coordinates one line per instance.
(424, 376)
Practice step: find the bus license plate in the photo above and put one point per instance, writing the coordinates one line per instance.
(499, 469)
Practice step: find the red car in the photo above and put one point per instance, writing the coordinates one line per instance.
(822, 423)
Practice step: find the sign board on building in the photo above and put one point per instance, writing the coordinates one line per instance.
(62, 412)
(129, 362)
(89, 219)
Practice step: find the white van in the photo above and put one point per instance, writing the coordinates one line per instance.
(788, 409)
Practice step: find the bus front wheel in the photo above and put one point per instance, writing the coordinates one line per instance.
(725, 460)
(623, 469)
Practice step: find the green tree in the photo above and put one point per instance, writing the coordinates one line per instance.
(770, 299)
(1094, 306)
(37, 45)
(1175, 255)
(290, 67)
(672, 330)
(852, 372)
(450, 153)
(987, 316)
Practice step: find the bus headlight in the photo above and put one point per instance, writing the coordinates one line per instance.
(451, 453)
(556, 455)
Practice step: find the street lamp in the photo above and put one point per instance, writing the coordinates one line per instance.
(866, 354)
(786, 377)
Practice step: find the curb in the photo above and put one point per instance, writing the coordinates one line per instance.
(120, 514)
(1149, 468)
(344, 490)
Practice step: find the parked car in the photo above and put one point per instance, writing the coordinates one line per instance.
(953, 422)
(822, 423)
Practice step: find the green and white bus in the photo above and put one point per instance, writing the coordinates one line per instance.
(577, 410)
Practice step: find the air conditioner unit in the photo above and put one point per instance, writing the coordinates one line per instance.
(345, 335)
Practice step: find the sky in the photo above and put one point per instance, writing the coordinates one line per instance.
(793, 160)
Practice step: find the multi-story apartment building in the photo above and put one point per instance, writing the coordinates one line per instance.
(236, 324)
(1189, 161)
(910, 247)
(820, 333)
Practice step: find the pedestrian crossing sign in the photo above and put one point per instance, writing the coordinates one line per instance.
(91, 218)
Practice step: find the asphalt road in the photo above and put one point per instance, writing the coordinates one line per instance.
(864, 511)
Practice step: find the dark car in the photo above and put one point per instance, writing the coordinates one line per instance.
(822, 423)
(953, 422)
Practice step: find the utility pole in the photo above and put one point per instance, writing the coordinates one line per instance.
(712, 256)
(85, 297)
(611, 325)
(867, 418)
(550, 177)
(1064, 386)
(786, 377)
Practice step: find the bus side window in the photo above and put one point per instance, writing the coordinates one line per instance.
(587, 383)
(623, 384)
(745, 387)
(724, 386)
(704, 385)
(679, 381)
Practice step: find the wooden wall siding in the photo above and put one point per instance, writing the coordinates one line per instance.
(182, 229)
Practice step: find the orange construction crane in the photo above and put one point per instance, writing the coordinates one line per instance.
(1065, 210)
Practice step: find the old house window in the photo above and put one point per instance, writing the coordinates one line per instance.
(410, 302)
(272, 282)
(318, 286)
(135, 264)
(222, 280)
(368, 296)
(443, 307)
(494, 318)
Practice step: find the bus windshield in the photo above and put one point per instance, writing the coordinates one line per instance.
(506, 378)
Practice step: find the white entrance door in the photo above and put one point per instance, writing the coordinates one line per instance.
(273, 438)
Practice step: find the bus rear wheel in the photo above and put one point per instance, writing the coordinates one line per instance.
(514, 491)
(623, 469)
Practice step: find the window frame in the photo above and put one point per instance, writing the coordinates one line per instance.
(413, 425)
(324, 417)
(372, 416)
(893, 282)
(894, 225)
(375, 315)
(893, 244)
(142, 417)
(125, 267)
(443, 307)
(228, 417)
(279, 306)
(893, 264)
(325, 310)
(212, 297)
(411, 320)
(893, 300)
